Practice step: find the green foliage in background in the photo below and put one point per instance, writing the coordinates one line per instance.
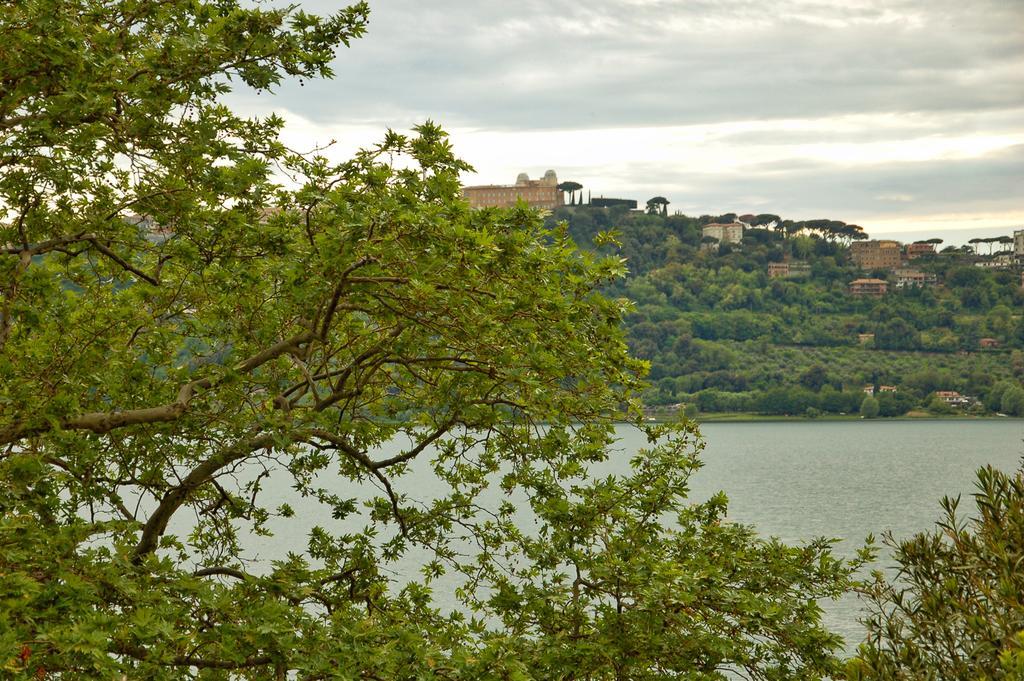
(720, 333)
(178, 329)
(1012, 401)
(869, 408)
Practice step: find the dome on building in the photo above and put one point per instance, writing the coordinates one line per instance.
(522, 178)
(550, 177)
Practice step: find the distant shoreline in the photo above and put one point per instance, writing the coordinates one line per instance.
(742, 417)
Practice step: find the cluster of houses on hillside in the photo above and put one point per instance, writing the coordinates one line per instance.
(884, 254)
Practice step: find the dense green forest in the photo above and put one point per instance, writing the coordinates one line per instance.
(721, 336)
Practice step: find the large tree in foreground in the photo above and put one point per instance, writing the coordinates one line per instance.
(181, 339)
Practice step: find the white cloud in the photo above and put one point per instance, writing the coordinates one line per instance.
(892, 111)
(945, 222)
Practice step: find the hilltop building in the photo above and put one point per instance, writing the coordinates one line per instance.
(542, 193)
(725, 233)
(919, 249)
(876, 254)
(1018, 243)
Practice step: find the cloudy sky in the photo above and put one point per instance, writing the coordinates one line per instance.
(896, 115)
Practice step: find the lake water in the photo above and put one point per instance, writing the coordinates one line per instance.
(793, 480)
(847, 479)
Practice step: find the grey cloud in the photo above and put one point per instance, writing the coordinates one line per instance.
(941, 67)
(561, 64)
(902, 127)
(807, 190)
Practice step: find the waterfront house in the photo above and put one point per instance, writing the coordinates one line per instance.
(955, 399)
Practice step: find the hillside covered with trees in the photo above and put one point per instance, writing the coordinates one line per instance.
(723, 336)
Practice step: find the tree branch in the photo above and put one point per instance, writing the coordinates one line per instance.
(123, 263)
(104, 422)
(346, 448)
(44, 246)
(140, 653)
(332, 306)
(222, 571)
(415, 451)
(199, 476)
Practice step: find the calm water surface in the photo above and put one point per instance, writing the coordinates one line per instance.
(847, 479)
(795, 481)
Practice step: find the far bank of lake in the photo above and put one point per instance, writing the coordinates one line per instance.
(747, 417)
(663, 416)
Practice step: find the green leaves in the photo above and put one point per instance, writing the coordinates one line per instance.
(954, 610)
(180, 338)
